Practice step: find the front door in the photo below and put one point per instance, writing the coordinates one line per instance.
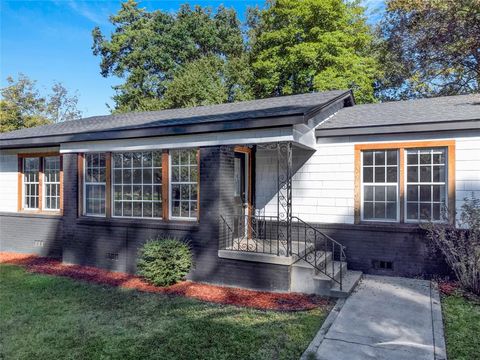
(241, 196)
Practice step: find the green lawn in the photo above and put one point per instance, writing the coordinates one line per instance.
(48, 317)
(462, 327)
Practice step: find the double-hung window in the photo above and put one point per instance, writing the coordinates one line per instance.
(51, 182)
(31, 183)
(426, 184)
(405, 182)
(95, 184)
(184, 183)
(41, 182)
(380, 185)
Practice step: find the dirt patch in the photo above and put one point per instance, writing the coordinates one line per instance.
(205, 292)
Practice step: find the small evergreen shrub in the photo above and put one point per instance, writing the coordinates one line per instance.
(164, 262)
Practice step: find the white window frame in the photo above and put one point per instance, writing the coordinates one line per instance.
(170, 183)
(92, 183)
(405, 179)
(45, 183)
(363, 184)
(112, 174)
(24, 183)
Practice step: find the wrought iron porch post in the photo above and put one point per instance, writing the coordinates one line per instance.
(284, 187)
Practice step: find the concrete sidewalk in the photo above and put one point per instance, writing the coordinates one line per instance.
(385, 318)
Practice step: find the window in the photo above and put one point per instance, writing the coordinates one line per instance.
(51, 182)
(426, 184)
(40, 177)
(31, 182)
(95, 184)
(141, 184)
(184, 184)
(380, 185)
(405, 182)
(137, 184)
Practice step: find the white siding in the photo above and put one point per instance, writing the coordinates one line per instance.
(467, 175)
(8, 182)
(323, 187)
(9, 176)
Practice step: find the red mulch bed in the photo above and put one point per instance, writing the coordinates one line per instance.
(211, 293)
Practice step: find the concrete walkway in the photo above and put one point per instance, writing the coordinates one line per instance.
(385, 318)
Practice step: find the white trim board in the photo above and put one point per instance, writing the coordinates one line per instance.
(185, 141)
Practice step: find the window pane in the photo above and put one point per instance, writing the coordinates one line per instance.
(379, 193)
(391, 210)
(368, 175)
(392, 157)
(380, 158)
(368, 158)
(368, 193)
(380, 210)
(368, 210)
(379, 174)
(412, 173)
(392, 174)
(412, 211)
(412, 193)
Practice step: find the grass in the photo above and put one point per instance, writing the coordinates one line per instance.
(462, 327)
(48, 317)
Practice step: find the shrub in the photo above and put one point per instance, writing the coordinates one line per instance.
(461, 244)
(164, 262)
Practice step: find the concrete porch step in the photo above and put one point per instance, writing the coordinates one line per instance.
(350, 281)
(322, 259)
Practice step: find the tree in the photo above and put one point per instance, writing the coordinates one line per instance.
(148, 49)
(312, 45)
(22, 106)
(429, 48)
(207, 81)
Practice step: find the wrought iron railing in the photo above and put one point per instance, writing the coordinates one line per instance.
(269, 235)
(320, 247)
(254, 233)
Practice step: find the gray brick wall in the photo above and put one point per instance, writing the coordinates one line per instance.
(32, 234)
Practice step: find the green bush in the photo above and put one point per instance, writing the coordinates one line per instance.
(164, 262)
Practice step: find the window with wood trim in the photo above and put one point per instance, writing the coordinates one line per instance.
(141, 184)
(40, 182)
(380, 185)
(95, 184)
(51, 182)
(405, 182)
(31, 183)
(184, 184)
(426, 184)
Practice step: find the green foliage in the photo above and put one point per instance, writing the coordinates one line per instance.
(207, 81)
(460, 244)
(164, 262)
(22, 106)
(312, 45)
(429, 48)
(462, 326)
(149, 48)
(51, 317)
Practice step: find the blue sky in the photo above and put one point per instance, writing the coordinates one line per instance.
(51, 41)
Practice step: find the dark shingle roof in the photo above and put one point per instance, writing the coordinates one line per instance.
(422, 111)
(255, 109)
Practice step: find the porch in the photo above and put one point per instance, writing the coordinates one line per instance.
(261, 226)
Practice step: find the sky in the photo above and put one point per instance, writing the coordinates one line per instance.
(51, 41)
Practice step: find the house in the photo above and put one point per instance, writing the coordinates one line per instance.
(280, 194)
